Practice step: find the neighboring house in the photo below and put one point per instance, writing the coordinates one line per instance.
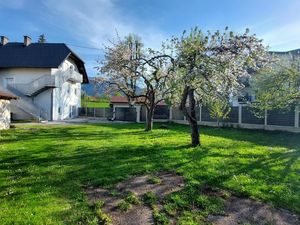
(46, 77)
(5, 99)
(286, 58)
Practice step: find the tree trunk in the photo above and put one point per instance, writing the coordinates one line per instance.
(191, 117)
(149, 120)
(150, 114)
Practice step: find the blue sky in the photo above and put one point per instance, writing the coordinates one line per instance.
(91, 23)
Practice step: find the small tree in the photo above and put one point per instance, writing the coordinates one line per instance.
(277, 88)
(218, 109)
(42, 39)
(127, 65)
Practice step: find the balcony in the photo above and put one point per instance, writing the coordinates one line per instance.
(72, 76)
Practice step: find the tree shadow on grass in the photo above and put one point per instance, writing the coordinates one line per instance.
(62, 172)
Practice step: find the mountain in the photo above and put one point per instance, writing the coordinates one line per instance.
(93, 88)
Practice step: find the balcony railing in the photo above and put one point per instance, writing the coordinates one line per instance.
(36, 86)
(72, 76)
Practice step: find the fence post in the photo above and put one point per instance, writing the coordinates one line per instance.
(200, 113)
(240, 113)
(138, 113)
(266, 117)
(171, 113)
(86, 111)
(297, 116)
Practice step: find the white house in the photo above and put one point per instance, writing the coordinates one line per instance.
(5, 99)
(46, 77)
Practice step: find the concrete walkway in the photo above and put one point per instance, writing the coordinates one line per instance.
(81, 120)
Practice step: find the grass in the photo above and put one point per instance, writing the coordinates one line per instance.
(44, 169)
(95, 103)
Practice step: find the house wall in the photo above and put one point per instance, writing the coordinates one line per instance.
(22, 75)
(66, 98)
(4, 114)
(26, 76)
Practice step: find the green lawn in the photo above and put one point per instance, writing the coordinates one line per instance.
(95, 104)
(44, 169)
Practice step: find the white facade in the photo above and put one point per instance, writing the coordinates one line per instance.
(51, 94)
(4, 114)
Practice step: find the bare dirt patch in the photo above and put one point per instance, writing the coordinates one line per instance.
(236, 210)
(138, 214)
(248, 211)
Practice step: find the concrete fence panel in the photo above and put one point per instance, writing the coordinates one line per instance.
(125, 114)
(177, 114)
(161, 112)
(280, 118)
(248, 116)
(205, 116)
(233, 115)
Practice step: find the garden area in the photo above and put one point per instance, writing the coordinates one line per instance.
(49, 173)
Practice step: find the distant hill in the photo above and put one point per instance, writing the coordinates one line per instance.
(93, 89)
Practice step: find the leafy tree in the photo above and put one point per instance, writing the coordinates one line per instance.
(42, 39)
(277, 88)
(209, 65)
(127, 64)
(218, 109)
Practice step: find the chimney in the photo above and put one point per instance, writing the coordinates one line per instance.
(4, 40)
(27, 40)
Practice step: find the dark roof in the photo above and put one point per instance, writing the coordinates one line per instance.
(124, 100)
(6, 96)
(293, 52)
(38, 55)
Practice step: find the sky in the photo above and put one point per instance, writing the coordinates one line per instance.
(88, 25)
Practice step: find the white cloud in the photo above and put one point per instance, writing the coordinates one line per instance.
(284, 37)
(95, 22)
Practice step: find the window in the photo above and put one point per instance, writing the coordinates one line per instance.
(75, 91)
(59, 111)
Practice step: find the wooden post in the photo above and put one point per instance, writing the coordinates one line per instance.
(171, 113)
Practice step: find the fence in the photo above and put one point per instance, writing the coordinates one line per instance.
(105, 113)
(240, 116)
